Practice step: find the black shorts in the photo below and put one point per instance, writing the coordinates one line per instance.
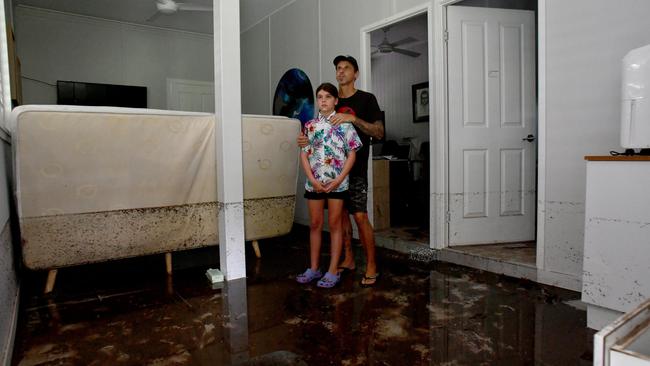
(358, 195)
(323, 196)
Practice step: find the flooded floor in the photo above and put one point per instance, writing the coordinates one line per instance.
(126, 313)
(417, 234)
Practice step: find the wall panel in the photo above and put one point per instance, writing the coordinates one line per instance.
(583, 63)
(294, 40)
(59, 46)
(256, 98)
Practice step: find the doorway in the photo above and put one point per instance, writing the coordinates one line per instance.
(190, 95)
(492, 129)
(399, 65)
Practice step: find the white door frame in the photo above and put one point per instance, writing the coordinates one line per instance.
(366, 84)
(438, 127)
(541, 132)
(442, 122)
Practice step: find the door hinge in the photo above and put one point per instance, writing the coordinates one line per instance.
(448, 217)
(445, 35)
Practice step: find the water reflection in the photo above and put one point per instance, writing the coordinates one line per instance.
(235, 320)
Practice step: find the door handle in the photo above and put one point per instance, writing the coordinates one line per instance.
(529, 138)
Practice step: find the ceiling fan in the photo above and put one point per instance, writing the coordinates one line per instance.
(387, 47)
(168, 7)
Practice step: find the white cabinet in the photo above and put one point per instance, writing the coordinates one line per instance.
(626, 341)
(616, 265)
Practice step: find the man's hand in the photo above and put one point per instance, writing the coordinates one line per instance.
(302, 140)
(339, 118)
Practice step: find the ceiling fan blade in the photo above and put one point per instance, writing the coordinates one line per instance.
(193, 7)
(406, 52)
(154, 16)
(403, 41)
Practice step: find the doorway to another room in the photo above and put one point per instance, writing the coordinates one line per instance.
(399, 68)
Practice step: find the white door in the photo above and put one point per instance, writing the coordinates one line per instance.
(190, 95)
(492, 110)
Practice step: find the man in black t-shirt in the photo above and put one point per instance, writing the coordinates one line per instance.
(361, 109)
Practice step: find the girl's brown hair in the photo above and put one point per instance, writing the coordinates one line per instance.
(330, 88)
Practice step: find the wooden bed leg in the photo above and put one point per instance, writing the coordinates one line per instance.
(170, 285)
(168, 263)
(256, 248)
(51, 278)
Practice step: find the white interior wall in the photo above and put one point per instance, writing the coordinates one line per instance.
(256, 83)
(585, 42)
(294, 41)
(392, 77)
(254, 11)
(59, 46)
(398, 6)
(341, 23)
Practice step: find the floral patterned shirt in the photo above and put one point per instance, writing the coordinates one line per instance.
(328, 148)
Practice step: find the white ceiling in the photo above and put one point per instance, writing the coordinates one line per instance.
(132, 11)
(415, 27)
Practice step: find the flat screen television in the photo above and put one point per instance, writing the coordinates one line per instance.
(80, 93)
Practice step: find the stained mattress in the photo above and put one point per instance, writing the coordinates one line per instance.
(95, 184)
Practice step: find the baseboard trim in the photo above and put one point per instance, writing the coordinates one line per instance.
(557, 279)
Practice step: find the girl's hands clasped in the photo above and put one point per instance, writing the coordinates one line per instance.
(333, 184)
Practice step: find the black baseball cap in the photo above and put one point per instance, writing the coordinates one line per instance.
(347, 58)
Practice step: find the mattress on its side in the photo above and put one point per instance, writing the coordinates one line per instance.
(94, 183)
(270, 163)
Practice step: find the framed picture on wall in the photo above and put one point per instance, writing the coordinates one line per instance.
(420, 96)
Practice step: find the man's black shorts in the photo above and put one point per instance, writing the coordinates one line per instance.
(357, 195)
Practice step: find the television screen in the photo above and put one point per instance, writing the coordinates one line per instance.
(80, 93)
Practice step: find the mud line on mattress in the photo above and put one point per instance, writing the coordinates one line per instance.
(73, 239)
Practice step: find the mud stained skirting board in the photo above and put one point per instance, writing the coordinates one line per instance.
(10, 295)
(72, 239)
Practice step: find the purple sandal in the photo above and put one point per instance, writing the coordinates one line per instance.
(308, 276)
(329, 280)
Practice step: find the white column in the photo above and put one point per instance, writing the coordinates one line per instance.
(227, 84)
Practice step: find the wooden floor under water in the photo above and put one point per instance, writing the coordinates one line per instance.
(127, 313)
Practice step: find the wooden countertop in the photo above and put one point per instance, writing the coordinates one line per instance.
(618, 158)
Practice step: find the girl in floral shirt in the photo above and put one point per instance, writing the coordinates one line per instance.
(327, 160)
